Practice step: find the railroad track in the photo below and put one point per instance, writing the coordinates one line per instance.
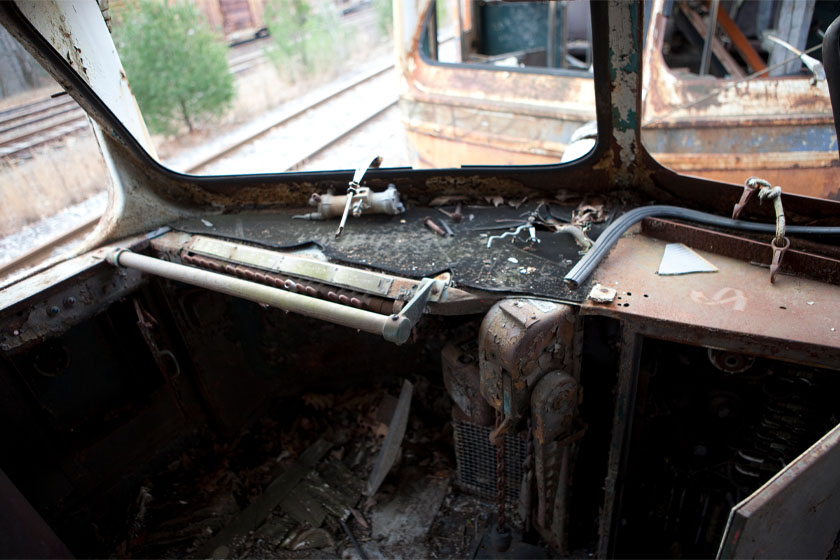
(349, 105)
(292, 121)
(46, 120)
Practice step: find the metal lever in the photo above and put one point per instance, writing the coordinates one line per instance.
(353, 190)
(394, 328)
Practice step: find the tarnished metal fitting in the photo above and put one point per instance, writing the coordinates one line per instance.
(521, 340)
(113, 257)
(430, 224)
(554, 403)
(361, 200)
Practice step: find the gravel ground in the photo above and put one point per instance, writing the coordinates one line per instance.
(383, 136)
(275, 151)
(284, 146)
(41, 232)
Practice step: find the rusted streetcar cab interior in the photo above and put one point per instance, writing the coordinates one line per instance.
(348, 402)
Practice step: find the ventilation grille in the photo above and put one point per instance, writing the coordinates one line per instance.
(476, 458)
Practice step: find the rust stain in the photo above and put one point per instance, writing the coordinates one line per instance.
(738, 301)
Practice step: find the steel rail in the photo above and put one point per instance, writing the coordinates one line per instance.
(58, 106)
(42, 251)
(285, 118)
(39, 252)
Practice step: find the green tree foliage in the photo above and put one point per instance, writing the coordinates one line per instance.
(384, 11)
(175, 63)
(306, 38)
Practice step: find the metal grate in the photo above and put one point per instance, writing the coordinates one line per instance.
(476, 458)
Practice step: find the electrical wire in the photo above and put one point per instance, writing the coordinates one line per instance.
(586, 265)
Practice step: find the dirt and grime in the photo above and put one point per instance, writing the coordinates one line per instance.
(184, 509)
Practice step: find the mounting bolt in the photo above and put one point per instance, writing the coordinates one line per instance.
(53, 311)
(70, 302)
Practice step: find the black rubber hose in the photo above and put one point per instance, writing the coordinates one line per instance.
(831, 63)
(609, 236)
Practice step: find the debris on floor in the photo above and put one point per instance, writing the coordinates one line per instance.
(294, 484)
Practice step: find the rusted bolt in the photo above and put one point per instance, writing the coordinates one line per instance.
(53, 311)
(344, 300)
(430, 223)
(70, 301)
(355, 302)
(310, 291)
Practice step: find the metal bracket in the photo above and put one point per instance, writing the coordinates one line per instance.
(356, 194)
(398, 329)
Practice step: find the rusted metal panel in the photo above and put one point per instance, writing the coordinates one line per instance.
(521, 340)
(554, 403)
(431, 151)
(440, 101)
(461, 114)
(672, 99)
(739, 126)
(794, 515)
(795, 319)
(814, 182)
(520, 137)
(798, 262)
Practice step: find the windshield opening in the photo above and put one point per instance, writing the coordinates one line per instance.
(52, 175)
(739, 91)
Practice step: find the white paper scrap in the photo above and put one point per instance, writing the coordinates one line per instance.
(679, 259)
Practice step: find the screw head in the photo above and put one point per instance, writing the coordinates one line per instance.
(53, 311)
(70, 302)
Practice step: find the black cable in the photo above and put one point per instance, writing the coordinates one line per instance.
(831, 62)
(610, 236)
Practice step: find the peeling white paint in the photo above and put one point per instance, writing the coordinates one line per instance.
(624, 91)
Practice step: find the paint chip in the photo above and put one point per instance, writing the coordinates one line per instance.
(206, 222)
(679, 259)
(512, 260)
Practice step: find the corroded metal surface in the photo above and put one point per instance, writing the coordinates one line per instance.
(554, 402)
(799, 259)
(736, 308)
(522, 117)
(707, 127)
(717, 128)
(520, 341)
(460, 376)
